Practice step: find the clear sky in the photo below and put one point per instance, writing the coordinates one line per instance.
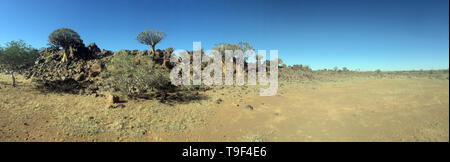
(359, 34)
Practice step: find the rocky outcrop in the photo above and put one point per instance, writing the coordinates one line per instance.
(93, 49)
(81, 74)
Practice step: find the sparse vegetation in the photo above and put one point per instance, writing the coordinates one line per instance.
(296, 73)
(255, 138)
(345, 69)
(134, 76)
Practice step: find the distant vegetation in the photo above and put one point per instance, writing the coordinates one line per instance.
(301, 73)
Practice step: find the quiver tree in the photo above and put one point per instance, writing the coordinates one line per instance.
(222, 47)
(15, 56)
(280, 62)
(66, 38)
(258, 59)
(167, 53)
(151, 38)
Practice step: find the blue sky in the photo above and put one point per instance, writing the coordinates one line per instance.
(359, 34)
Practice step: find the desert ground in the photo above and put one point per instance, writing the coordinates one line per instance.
(362, 108)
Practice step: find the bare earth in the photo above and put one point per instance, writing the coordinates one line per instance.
(364, 109)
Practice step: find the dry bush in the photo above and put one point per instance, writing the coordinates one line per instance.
(134, 76)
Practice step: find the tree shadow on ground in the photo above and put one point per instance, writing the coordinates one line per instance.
(170, 96)
(4, 83)
(174, 97)
(68, 86)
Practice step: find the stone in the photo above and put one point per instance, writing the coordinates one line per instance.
(249, 107)
(113, 99)
(116, 105)
(219, 101)
(96, 68)
(106, 52)
(79, 77)
(93, 48)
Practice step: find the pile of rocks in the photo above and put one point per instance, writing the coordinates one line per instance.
(161, 57)
(81, 74)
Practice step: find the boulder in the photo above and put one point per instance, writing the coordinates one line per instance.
(95, 69)
(113, 99)
(218, 101)
(93, 49)
(106, 52)
(79, 77)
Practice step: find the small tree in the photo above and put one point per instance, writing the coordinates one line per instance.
(65, 38)
(17, 55)
(280, 61)
(345, 69)
(222, 47)
(151, 38)
(335, 68)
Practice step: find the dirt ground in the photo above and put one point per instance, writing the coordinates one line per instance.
(360, 109)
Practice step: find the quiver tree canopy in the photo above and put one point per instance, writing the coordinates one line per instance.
(151, 38)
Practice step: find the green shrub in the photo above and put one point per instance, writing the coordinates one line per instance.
(17, 55)
(134, 76)
(345, 69)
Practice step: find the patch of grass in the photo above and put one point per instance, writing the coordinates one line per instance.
(172, 119)
(255, 138)
(305, 74)
(80, 126)
(126, 126)
(134, 121)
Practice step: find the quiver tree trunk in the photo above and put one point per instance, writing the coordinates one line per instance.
(237, 70)
(166, 59)
(152, 49)
(164, 63)
(13, 79)
(224, 69)
(64, 59)
(71, 52)
(152, 52)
